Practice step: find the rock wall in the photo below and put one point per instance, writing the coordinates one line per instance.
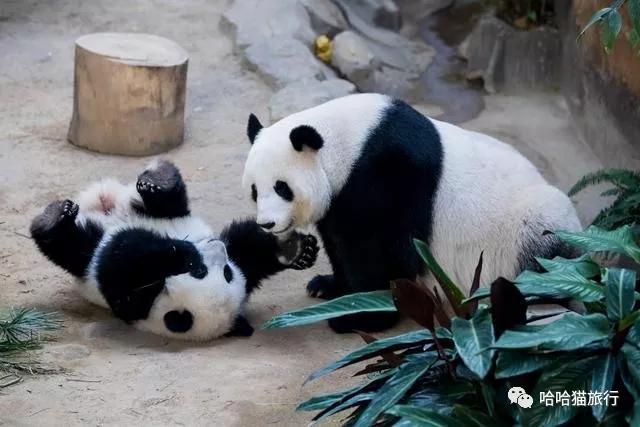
(602, 91)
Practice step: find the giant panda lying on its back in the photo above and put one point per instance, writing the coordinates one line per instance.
(373, 173)
(138, 251)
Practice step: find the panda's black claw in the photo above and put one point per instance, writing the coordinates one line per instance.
(69, 209)
(323, 286)
(308, 253)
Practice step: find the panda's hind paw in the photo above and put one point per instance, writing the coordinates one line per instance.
(69, 210)
(55, 215)
(162, 176)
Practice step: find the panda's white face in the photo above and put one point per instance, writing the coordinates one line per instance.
(199, 309)
(290, 188)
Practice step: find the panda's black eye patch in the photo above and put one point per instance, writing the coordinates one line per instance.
(228, 273)
(178, 321)
(283, 190)
(254, 192)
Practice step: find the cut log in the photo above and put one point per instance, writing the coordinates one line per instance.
(129, 94)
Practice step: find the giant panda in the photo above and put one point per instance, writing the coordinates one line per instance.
(138, 251)
(372, 173)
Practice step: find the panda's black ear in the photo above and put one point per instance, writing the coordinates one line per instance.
(253, 127)
(178, 321)
(305, 135)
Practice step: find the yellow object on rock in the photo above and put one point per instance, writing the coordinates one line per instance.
(324, 48)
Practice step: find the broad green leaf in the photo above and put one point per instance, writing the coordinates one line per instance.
(357, 399)
(595, 239)
(472, 418)
(633, 337)
(568, 283)
(423, 417)
(620, 286)
(604, 372)
(595, 18)
(634, 14)
(317, 403)
(513, 363)
(348, 304)
(441, 397)
(631, 319)
(635, 415)
(583, 265)
(527, 289)
(394, 390)
(410, 339)
(632, 356)
(562, 377)
(442, 277)
(611, 26)
(570, 332)
(473, 339)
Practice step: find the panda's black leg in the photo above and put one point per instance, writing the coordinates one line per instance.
(240, 328)
(259, 254)
(62, 240)
(163, 191)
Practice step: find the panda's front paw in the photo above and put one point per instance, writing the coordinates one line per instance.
(57, 214)
(69, 210)
(300, 251)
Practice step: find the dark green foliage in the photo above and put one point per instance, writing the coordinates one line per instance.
(22, 330)
(460, 375)
(625, 209)
(610, 20)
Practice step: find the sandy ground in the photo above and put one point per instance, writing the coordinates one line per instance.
(116, 375)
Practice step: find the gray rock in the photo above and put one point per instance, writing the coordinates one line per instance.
(282, 60)
(326, 17)
(494, 53)
(353, 57)
(306, 94)
(256, 21)
(386, 14)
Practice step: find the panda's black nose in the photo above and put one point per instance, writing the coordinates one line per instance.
(267, 225)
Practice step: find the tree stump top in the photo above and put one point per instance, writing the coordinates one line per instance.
(135, 49)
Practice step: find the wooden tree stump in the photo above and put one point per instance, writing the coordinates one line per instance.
(129, 94)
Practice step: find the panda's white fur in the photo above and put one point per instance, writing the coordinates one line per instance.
(489, 198)
(213, 302)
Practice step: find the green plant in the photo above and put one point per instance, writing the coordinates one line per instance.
(610, 21)
(524, 13)
(459, 373)
(21, 331)
(625, 210)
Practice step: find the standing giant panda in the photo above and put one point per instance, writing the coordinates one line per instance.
(139, 252)
(372, 173)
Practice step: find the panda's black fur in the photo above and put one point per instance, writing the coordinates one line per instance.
(132, 260)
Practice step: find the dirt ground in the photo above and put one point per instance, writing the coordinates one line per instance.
(116, 375)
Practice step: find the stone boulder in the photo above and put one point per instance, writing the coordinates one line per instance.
(306, 94)
(256, 21)
(353, 57)
(282, 61)
(326, 17)
(494, 51)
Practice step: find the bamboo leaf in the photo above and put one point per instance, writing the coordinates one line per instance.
(394, 390)
(571, 332)
(376, 348)
(595, 239)
(619, 290)
(604, 372)
(473, 339)
(348, 304)
(611, 25)
(423, 417)
(452, 291)
(599, 15)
